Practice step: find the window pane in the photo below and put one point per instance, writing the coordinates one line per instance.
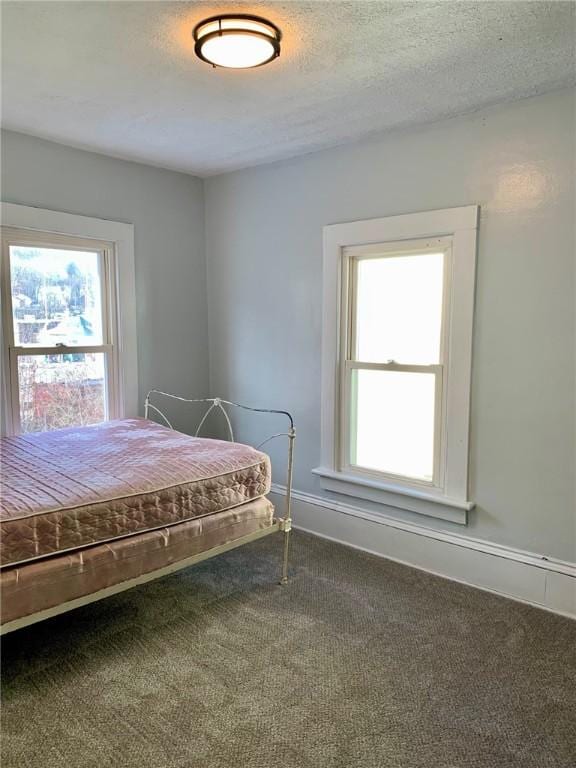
(392, 422)
(61, 390)
(399, 309)
(56, 297)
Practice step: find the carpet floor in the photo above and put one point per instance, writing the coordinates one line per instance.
(358, 663)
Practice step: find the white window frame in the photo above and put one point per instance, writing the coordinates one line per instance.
(455, 231)
(114, 241)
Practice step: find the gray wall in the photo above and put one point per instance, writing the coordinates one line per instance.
(167, 211)
(264, 251)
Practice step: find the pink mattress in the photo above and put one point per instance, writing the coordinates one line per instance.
(70, 488)
(39, 585)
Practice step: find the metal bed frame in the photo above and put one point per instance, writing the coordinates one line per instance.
(283, 524)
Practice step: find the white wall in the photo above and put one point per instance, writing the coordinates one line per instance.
(167, 211)
(264, 251)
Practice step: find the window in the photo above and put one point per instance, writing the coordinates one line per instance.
(398, 300)
(60, 330)
(392, 371)
(62, 327)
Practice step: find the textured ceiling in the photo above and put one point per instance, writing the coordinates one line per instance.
(121, 77)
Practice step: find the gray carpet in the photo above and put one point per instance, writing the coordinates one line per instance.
(358, 663)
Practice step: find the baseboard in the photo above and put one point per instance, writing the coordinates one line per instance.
(524, 576)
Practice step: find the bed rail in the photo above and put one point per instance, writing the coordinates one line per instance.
(218, 403)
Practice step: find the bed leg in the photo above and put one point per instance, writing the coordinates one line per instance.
(286, 522)
(286, 550)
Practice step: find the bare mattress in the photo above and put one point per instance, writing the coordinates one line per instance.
(72, 488)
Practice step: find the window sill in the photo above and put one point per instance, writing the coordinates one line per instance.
(423, 502)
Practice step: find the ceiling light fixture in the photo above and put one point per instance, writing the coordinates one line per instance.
(237, 41)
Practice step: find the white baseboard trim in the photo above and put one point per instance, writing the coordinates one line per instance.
(524, 576)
